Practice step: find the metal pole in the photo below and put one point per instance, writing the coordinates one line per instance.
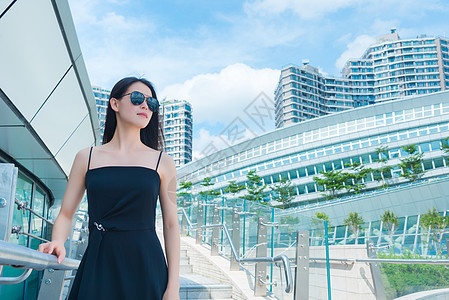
(261, 267)
(215, 232)
(200, 222)
(8, 182)
(328, 266)
(51, 285)
(302, 266)
(81, 246)
(235, 265)
(184, 223)
(375, 272)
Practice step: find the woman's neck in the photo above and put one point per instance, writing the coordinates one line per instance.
(126, 139)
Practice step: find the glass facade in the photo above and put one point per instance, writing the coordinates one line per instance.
(29, 191)
(334, 146)
(335, 131)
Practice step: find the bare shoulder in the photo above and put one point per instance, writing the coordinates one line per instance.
(82, 157)
(167, 165)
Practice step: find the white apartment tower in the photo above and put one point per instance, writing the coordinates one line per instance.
(392, 68)
(176, 116)
(101, 99)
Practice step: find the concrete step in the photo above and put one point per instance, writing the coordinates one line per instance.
(194, 286)
(185, 269)
(184, 260)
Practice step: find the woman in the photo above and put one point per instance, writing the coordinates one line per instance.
(123, 178)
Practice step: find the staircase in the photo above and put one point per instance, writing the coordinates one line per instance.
(196, 286)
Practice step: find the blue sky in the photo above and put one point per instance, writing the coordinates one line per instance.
(220, 55)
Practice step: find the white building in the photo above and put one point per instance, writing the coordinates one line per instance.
(392, 68)
(101, 100)
(176, 116)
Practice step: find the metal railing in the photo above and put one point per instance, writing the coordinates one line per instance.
(24, 205)
(17, 229)
(260, 284)
(385, 260)
(29, 259)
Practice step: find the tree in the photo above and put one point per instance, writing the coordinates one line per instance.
(355, 178)
(437, 225)
(384, 170)
(318, 223)
(255, 188)
(185, 190)
(354, 221)
(233, 187)
(322, 216)
(412, 164)
(291, 223)
(207, 182)
(333, 181)
(283, 191)
(390, 222)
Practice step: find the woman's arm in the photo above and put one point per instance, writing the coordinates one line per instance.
(167, 198)
(70, 202)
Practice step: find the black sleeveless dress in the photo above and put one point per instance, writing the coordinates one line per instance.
(124, 258)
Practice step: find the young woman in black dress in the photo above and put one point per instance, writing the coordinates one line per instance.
(123, 179)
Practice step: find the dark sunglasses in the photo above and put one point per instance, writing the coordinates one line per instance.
(137, 98)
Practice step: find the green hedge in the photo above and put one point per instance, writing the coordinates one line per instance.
(404, 279)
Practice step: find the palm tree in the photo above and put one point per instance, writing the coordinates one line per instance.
(354, 221)
(390, 223)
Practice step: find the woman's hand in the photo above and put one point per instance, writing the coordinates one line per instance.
(171, 294)
(55, 248)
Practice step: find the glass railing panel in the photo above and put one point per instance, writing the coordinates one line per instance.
(284, 241)
(279, 239)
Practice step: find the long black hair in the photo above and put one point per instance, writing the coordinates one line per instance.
(152, 135)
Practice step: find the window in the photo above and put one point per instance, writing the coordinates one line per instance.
(293, 174)
(337, 165)
(425, 147)
(310, 171)
(311, 187)
(428, 164)
(438, 162)
(302, 172)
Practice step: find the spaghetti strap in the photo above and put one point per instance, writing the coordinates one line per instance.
(158, 160)
(90, 153)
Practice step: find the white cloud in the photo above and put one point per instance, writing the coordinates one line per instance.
(116, 45)
(205, 142)
(221, 97)
(306, 9)
(355, 49)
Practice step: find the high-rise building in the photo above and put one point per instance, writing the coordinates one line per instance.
(176, 116)
(392, 68)
(101, 99)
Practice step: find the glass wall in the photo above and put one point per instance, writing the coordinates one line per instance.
(37, 199)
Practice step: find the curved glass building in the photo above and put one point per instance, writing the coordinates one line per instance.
(300, 151)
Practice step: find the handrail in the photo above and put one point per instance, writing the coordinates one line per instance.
(18, 279)
(388, 260)
(186, 216)
(24, 205)
(23, 257)
(283, 258)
